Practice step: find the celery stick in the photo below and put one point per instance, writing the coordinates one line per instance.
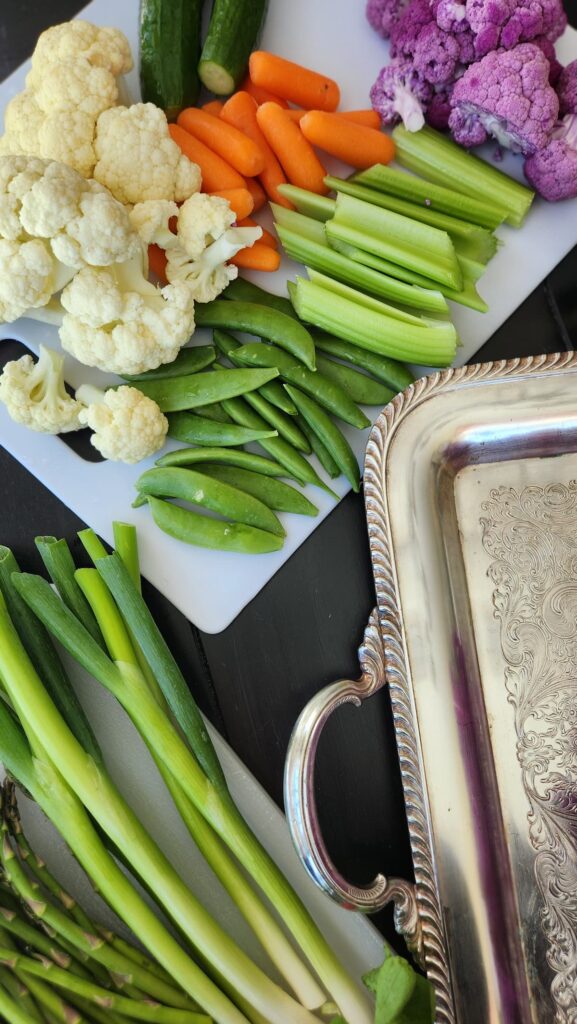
(468, 239)
(419, 247)
(364, 300)
(309, 203)
(431, 345)
(390, 180)
(442, 161)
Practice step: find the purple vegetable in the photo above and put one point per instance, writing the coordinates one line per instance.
(552, 171)
(383, 14)
(450, 15)
(399, 94)
(505, 23)
(548, 48)
(437, 56)
(567, 89)
(405, 33)
(506, 94)
(439, 109)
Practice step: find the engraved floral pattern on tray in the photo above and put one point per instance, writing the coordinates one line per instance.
(531, 535)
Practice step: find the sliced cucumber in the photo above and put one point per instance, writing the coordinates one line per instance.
(232, 34)
(169, 50)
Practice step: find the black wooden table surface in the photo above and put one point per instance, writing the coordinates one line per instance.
(302, 631)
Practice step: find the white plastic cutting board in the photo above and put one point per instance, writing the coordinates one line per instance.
(209, 587)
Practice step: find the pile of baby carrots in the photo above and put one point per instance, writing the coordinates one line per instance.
(252, 143)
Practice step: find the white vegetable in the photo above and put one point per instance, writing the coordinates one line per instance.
(209, 275)
(128, 426)
(34, 394)
(202, 219)
(151, 220)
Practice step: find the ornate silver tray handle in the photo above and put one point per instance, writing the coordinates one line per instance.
(471, 504)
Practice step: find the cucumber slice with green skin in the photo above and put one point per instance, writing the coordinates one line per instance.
(232, 35)
(169, 49)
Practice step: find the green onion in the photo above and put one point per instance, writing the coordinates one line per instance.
(442, 161)
(59, 562)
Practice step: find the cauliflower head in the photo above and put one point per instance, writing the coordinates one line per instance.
(202, 219)
(74, 84)
(209, 275)
(552, 171)
(27, 277)
(400, 94)
(102, 47)
(128, 426)
(137, 159)
(34, 394)
(118, 321)
(151, 219)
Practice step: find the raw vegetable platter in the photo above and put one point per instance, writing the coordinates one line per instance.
(212, 587)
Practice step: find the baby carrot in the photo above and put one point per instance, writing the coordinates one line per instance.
(157, 262)
(369, 118)
(296, 156)
(215, 106)
(354, 143)
(261, 95)
(257, 257)
(226, 140)
(239, 200)
(216, 173)
(266, 237)
(240, 111)
(293, 82)
(257, 192)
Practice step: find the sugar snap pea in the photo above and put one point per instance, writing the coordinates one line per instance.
(273, 391)
(188, 360)
(274, 493)
(225, 456)
(214, 412)
(198, 489)
(325, 391)
(335, 442)
(245, 291)
(296, 466)
(193, 429)
(283, 424)
(358, 386)
(266, 323)
(205, 532)
(195, 389)
(323, 455)
(395, 375)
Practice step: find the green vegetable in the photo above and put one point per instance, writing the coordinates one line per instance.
(324, 390)
(263, 321)
(201, 531)
(432, 344)
(402, 995)
(188, 360)
(446, 200)
(468, 239)
(186, 426)
(274, 493)
(196, 389)
(245, 291)
(273, 391)
(395, 375)
(169, 51)
(305, 239)
(225, 456)
(330, 435)
(308, 203)
(60, 565)
(197, 489)
(358, 386)
(232, 34)
(438, 159)
(323, 455)
(285, 425)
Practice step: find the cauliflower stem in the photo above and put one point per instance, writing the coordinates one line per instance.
(34, 394)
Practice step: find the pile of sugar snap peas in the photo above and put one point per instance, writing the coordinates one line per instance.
(283, 393)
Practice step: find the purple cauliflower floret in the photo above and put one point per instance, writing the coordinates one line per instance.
(548, 48)
(450, 15)
(439, 109)
(437, 55)
(405, 33)
(505, 23)
(552, 171)
(399, 94)
(383, 14)
(508, 94)
(567, 89)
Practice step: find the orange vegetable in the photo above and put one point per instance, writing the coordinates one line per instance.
(261, 95)
(266, 238)
(258, 194)
(226, 140)
(257, 257)
(157, 262)
(216, 173)
(296, 156)
(369, 118)
(240, 110)
(239, 200)
(213, 107)
(293, 82)
(354, 143)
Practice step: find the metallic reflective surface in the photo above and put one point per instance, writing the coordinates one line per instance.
(471, 507)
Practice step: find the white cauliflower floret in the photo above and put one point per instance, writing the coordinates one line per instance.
(74, 85)
(23, 119)
(27, 276)
(128, 426)
(120, 322)
(138, 160)
(34, 394)
(68, 136)
(102, 47)
(209, 275)
(202, 219)
(151, 220)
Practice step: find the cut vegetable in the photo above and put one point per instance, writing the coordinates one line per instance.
(354, 144)
(169, 52)
(295, 155)
(293, 82)
(224, 138)
(232, 33)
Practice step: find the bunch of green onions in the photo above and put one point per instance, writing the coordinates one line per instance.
(47, 746)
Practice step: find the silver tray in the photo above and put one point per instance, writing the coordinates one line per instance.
(471, 503)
